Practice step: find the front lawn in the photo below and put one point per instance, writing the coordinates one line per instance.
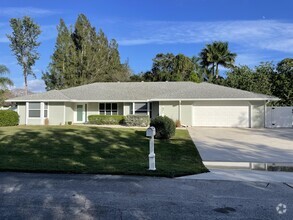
(81, 149)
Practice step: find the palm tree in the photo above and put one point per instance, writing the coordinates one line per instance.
(4, 81)
(216, 54)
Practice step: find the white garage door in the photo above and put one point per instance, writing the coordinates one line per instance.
(209, 114)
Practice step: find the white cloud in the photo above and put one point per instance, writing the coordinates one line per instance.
(262, 34)
(22, 11)
(4, 40)
(36, 85)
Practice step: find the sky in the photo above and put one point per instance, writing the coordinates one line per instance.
(257, 31)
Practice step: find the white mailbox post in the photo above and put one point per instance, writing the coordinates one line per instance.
(151, 132)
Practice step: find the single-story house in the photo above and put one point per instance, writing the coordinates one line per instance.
(194, 104)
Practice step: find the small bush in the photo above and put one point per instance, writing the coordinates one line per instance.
(137, 120)
(8, 118)
(106, 119)
(165, 127)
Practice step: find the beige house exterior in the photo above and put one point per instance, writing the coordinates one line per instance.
(193, 104)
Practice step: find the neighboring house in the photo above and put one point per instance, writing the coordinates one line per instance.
(194, 104)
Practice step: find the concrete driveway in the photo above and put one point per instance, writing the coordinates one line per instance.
(244, 145)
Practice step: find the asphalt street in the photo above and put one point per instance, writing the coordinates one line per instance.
(66, 196)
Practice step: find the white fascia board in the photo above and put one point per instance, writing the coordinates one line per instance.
(219, 99)
(109, 101)
(149, 100)
(37, 100)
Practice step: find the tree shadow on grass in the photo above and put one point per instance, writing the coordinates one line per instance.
(73, 149)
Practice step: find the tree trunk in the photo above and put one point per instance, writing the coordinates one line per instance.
(217, 71)
(213, 69)
(25, 81)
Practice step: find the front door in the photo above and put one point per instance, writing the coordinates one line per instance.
(79, 113)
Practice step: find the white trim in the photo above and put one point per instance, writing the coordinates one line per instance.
(148, 108)
(148, 100)
(219, 99)
(26, 113)
(42, 113)
(250, 115)
(133, 108)
(64, 114)
(48, 111)
(265, 113)
(179, 111)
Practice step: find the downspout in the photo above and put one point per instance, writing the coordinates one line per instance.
(133, 108)
(64, 113)
(250, 115)
(179, 111)
(42, 113)
(265, 113)
(26, 113)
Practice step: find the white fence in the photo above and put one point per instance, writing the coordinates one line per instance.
(279, 117)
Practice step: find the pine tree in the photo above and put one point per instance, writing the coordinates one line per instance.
(83, 56)
(62, 67)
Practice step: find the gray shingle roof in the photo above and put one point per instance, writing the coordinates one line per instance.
(142, 91)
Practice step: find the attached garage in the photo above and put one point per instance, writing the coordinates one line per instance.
(221, 114)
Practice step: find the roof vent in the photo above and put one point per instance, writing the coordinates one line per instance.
(166, 81)
(142, 81)
(118, 81)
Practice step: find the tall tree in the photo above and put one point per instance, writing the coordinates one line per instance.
(24, 44)
(216, 54)
(256, 80)
(84, 56)
(62, 68)
(283, 82)
(85, 40)
(168, 67)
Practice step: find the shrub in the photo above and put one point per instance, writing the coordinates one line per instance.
(137, 120)
(8, 118)
(165, 127)
(106, 119)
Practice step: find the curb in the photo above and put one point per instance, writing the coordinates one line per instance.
(268, 166)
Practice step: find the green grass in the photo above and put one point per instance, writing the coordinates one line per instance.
(81, 149)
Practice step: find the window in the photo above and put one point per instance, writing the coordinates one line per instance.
(102, 108)
(34, 110)
(108, 109)
(141, 108)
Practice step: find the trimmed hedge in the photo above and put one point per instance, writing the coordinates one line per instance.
(106, 119)
(165, 127)
(137, 120)
(8, 118)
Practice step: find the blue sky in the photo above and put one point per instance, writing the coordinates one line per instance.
(257, 31)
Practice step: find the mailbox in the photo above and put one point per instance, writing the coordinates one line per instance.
(151, 131)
